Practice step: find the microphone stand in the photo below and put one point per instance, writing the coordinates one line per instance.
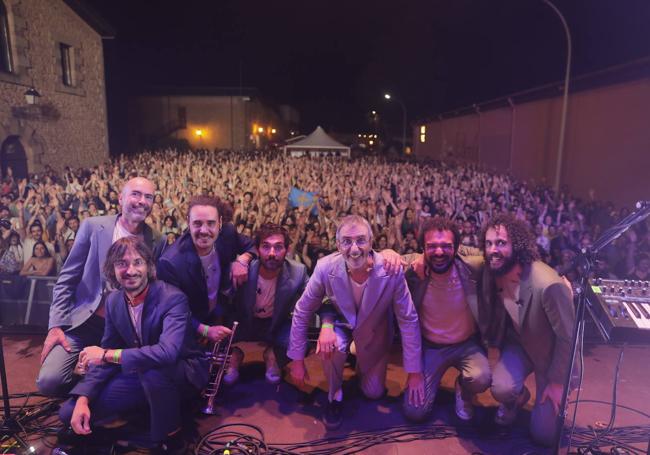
(585, 260)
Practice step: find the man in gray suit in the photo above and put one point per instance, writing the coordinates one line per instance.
(363, 299)
(265, 301)
(531, 320)
(77, 310)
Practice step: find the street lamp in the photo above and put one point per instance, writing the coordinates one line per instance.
(565, 97)
(388, 97)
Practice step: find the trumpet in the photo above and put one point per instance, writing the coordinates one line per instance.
(219, 360)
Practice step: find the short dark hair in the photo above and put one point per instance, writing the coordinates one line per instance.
(524, 246)
(267, 230)
(224, 209)
(117, 251)
(439, 223)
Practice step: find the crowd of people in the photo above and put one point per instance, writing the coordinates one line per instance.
(395, 196)
(164, 250)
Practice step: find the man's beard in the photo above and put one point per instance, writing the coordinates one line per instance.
(271, 263)
(506, 266)
(438, 267)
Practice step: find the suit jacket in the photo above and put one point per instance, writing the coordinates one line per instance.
(80, 285)
(546, 319)
(372, 326)
(168, 344)
(469, 270)
(181, 266)
(291, 283)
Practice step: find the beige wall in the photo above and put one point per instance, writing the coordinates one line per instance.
(607, 146)
(225, 121)
(69, 124)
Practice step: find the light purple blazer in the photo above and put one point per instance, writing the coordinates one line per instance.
(372, 327)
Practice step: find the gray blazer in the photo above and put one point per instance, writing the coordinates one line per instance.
(80, 286)
(546, 320)
(372, 327)
(291, 284)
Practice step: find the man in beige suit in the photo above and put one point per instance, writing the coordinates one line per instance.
(531, 319)
(362, 301)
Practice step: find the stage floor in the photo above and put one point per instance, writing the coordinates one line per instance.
(288, 415)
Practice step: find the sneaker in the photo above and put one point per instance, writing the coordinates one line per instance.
(464, 407)
(506, 414)
(333, 416)
(231, 375)
(273, 374)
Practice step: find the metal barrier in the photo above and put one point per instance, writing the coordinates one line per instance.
(24, 291)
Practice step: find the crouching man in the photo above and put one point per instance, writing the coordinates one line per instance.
(148, 356)
(364, 300)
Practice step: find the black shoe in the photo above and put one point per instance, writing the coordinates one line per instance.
(333, 416)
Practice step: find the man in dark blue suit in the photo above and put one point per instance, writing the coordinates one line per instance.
(265, 302)
(148, 356)
(205, 261)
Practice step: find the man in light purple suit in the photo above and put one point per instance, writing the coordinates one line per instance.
(362, 301)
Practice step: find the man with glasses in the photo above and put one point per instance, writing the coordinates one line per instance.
(362, 301)
(265, 302)
(448, 310)
(77, 310)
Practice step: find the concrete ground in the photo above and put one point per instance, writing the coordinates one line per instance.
(287, 415)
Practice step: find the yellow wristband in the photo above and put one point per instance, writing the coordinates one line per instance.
(204, 330)
(327, 325)
(117, 354)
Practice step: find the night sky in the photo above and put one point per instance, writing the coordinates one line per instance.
(332, 60)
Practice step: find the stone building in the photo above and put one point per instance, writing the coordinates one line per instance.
(52, 47)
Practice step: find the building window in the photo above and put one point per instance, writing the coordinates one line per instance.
(66, 64)
(423, 133)
(6, 63)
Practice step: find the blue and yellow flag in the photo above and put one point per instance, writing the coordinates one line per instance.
(300, 198)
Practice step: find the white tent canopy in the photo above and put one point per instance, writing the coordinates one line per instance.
(317, 143)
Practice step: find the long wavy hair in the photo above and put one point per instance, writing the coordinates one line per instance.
(524, 247)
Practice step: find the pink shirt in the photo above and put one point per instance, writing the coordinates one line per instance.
(445, 317)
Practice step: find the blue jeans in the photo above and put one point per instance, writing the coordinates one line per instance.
(508, 378)
(468, 357)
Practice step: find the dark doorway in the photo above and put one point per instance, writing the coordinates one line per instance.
(12, 155)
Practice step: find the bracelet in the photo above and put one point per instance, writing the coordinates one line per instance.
(104, 356)
(242, 263)
(116, 355)
(204, 330)
(327, 325)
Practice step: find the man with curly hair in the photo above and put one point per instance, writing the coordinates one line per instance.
(531, 318)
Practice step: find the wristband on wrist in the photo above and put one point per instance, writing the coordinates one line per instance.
(117, 354)
(204, 330)
(327, 325)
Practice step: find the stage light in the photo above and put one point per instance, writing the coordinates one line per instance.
(198, 132)
(260, 130)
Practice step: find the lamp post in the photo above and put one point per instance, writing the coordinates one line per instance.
(389, 97)
(565, 98)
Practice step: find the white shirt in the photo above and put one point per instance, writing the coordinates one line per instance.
(265, 297)
(357, 291)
